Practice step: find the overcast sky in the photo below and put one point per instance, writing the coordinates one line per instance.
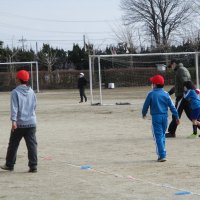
(59, 23)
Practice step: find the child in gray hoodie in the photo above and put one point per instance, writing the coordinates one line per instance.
(23, 117)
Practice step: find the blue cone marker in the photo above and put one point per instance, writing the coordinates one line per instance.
(183, 193)
(85, 167)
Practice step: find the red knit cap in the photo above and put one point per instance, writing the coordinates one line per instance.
(157, 79)
(22, 75)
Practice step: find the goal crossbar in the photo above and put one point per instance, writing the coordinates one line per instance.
(145, 54)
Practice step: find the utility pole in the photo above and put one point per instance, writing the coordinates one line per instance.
(22, 41)
(84, 42)
(36, 48)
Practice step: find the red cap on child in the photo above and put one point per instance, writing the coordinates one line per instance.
(157, 79)
(22, 75)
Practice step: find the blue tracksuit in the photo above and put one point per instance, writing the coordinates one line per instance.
(193, 98)
(158, 100)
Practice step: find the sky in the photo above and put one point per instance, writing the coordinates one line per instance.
(59, 23)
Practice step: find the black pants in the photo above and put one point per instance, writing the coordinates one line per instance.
(82, 94)
(31, 143)
(180, 104)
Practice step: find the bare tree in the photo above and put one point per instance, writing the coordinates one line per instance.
(49, 59)
(191, 35)
(196, 6)
(160, 17)
(48, 56)
(125, 35)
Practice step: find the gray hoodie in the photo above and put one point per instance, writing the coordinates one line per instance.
(23, 105)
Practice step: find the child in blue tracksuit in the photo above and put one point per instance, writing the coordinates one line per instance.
(158, 100)
(190, 94)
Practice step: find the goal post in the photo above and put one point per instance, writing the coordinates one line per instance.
(32, 67)
(124, 71)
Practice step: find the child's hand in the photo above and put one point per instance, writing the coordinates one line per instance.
(14, 126)
(177, 121)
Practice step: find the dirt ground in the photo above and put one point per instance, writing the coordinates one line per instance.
(113, 143)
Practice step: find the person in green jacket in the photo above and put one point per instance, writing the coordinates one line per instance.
(181, 75)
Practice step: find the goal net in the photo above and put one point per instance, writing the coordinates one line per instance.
(113, 78)
(8, 71)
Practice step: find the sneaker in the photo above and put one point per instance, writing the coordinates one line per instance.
(32, 170)
(161, 159)
(193, 136)
(170, 135)
(5, 167)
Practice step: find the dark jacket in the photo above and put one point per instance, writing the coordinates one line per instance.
(82, 82)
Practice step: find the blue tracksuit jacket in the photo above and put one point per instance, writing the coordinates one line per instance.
(193, 98)
(159, 101)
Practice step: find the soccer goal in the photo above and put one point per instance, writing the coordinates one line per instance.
(113, 77)
(9, 69)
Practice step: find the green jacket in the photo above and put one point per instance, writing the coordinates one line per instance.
(181, 75)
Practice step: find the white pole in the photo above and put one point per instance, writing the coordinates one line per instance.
(90, 69)
(197, 69)
(100, 91)
(37, 78)
(31, 75)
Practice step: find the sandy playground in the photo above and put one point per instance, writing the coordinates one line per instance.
(99, 153)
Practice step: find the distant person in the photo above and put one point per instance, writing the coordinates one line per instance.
(158, 100)
(82, 82)
(23, 105)
(192, 97)
(181, 75)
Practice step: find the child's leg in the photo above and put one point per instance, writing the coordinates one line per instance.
(195, 123)
(195, 116)
(15, 138)
(31, 143)
(159, 134)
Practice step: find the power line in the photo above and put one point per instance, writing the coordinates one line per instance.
(59, 20)
(50, 31)
(55, 40)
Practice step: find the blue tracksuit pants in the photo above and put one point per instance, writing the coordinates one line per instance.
(159, 126)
